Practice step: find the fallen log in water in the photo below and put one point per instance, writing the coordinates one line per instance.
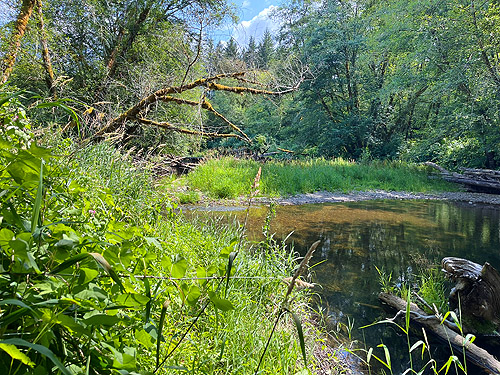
(480, 180)
(477, 290)
(474, 353)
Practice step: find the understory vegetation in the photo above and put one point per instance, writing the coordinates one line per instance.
(229, 177)
(99, 275)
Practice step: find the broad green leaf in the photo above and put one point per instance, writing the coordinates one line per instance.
(201, 273)
(102, 320)
(15, 353)
(87, 275)
(6, 235)
(220, 303)
(179, 268)
(193, 295)
(131, 300)
(144, 338)
(20, 248)
(166, 262)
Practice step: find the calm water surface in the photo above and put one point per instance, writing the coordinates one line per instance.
(401, 237)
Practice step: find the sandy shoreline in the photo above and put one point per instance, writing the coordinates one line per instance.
(339, 197)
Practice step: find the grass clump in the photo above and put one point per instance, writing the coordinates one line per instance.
(229, 178)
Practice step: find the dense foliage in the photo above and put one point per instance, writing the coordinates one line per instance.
(100, 276)
(414, 80)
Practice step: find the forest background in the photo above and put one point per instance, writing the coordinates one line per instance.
(417, 81)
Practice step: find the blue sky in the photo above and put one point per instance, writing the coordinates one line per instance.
(253, 21)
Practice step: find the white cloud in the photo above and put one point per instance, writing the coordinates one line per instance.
(255, 27)
(245, 4)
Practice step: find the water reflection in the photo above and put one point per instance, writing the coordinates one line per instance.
(401, 237)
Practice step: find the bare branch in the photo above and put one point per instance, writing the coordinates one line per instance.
(166, 125)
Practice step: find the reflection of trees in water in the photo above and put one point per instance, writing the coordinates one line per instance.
(399, 237)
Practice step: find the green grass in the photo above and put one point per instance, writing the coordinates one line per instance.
(221, 342)
(231, 178)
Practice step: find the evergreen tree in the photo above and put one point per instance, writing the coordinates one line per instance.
(231, 50)
(265, 50)
(250, 55)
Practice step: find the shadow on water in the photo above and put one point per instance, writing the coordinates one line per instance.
(402, 237)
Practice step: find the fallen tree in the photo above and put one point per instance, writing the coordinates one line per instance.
(478, 180)
(431, 323)
(170, 94)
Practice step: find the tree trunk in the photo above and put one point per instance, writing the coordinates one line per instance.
(47, 64)
(19, 30)
(122, 47)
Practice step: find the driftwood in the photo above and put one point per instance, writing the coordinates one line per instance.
(478, 180)
(477, 290)
(182, 165)
(474, 353)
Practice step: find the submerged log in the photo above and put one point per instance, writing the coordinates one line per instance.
(478, 180)
(474, 353)
(477, 292)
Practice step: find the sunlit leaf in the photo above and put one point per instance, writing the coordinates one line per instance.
(132, 300)
(40, 349)
(15, 353)
(179, 268)
(220, 303)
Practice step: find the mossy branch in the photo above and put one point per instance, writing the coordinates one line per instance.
(205, 104)
(132, 114)
(19, 30)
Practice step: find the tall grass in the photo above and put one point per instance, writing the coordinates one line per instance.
(219, 343)
(230, 178)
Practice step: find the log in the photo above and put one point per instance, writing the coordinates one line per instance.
(477, 289)
(481, 180)
(474, 353)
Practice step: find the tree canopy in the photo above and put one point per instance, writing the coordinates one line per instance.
(415, 80)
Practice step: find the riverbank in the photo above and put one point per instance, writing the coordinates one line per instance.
(340, 197)
(229, 178)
